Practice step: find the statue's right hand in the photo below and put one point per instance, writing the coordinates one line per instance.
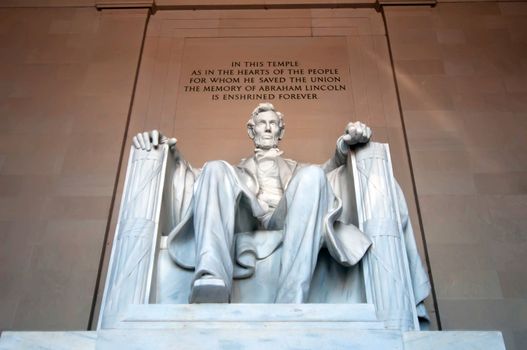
(148, 139)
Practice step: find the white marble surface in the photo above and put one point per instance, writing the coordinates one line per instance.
(251, 316)
(231, 338)
(48, 340)
(453, 340)
(280, 335)
(254, 312)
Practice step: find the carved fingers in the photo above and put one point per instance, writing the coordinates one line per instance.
(136, 143)
(147, 142)
(357, 132)
(151, 139)
(155, 138)
(141, 141)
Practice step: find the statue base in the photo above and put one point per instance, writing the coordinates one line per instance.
(229, 338)
(252, 326)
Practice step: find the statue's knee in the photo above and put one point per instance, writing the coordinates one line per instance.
(312, 175)
(214, 167)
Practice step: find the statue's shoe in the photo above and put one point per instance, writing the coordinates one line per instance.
(209, 290)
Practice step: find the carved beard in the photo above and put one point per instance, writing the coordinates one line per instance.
(260, 142)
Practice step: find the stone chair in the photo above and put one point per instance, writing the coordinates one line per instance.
(390, 280)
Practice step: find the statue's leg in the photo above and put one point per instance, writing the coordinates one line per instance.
(308, 199)
(214, 204)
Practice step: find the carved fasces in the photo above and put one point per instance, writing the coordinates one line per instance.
(386, 274)
(134, 248)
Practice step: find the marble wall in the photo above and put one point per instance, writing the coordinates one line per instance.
(66, 80)
(354, 40)
(462, 76)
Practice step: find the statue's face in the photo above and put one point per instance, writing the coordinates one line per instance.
(266, 130)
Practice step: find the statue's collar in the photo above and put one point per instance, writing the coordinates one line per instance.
(267, 153)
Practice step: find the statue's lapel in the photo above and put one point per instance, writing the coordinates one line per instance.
(249, 165)
(286, 168)
(247, 174)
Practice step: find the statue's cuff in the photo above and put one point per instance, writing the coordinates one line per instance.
(342, 147)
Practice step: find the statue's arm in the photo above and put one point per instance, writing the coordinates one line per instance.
(355, 134)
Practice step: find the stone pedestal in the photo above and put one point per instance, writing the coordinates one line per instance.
(259, 335)
(252, 326)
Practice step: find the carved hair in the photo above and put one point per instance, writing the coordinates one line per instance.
(265, 107)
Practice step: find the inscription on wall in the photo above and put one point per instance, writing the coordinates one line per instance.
(221, 80)
(264, 81)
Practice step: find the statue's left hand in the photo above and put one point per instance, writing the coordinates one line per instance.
(356, 132)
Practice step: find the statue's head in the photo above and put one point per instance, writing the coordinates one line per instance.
(266, 126)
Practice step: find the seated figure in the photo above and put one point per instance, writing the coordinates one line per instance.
(299, 203)
(269, 230)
